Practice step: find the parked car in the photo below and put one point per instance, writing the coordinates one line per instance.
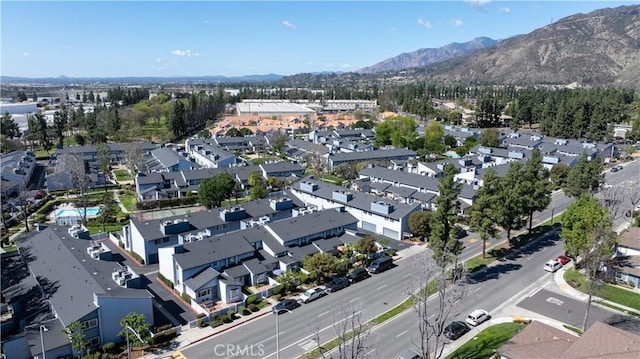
(562, 259)
(358, 274)
(455, 330)
(310, 295)
(409, 354)
(617, 167)
(460, 232)
(285, 305)
(337, 283)
(552, 266)
(380, 265)
(477, 317)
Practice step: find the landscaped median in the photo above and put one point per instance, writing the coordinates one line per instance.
(491, 338)
(610, 293)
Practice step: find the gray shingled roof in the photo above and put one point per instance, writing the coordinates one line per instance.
(329, 244)
(254, 266)
(402, 178)
(196, 282)
(317, 222)
(371, 155)
(297, 253)
(360, 200)
(70, 276)
(212, 249)
(236, 271)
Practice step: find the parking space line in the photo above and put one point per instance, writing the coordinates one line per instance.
(397, 336)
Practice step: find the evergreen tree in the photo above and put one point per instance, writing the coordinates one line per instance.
(509, 214)
(60, 120)
(485, 206)
(9, 127)
(585, 177)
(443, 242)
(537, 188)
(177, 123)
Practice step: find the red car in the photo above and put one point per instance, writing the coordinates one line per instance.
(563, 259)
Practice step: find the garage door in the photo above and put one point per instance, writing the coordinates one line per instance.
(369, 226)
(390, 233)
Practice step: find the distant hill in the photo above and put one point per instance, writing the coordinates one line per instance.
(424, 57)
(598, 48)
(63, 80)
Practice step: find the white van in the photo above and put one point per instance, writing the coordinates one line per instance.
(552, 266)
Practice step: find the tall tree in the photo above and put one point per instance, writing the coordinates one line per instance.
(420, 224)
(587, 233)
(537, 188)
(443, 242)
(71, 166)
(320, 265)
(60, 120)
(76, 336)
(489, 137)
(214, 190)
(177, 120)
(434, 309)
(9, 127)
(585, 177)
(367, 246)
(137, 322)
(104, 161)
(510, 213)
(482, 218)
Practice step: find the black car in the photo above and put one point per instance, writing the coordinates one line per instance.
(357, 275)
(285, 305)
(337, 283)
(455, 330)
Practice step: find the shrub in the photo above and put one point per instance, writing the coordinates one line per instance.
(163, 328)
(277, 297)
(165, 337)
(278, 289)
(186, 298)
(165, 281)
(252, 307)
(262, 304)
(227, 318)
(215, 323)
(108, 347)
(121, 244)
(252, 299)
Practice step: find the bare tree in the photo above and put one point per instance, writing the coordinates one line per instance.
(352, 333)
(435, 307)
(613, 198)
(72, 167)
(22, 202)
(134, 158)
(317, 163)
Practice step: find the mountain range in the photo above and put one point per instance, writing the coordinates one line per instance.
(594, 49)
(425, 57)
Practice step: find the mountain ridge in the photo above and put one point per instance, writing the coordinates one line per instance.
(428, 56)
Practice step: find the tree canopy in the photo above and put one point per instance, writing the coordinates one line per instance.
(214, 190)
(585, 177)
(443, 242)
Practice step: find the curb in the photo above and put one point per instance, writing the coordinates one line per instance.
(226, 329)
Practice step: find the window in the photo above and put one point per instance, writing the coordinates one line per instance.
(93, 342)
(88, 324)
(203, 293)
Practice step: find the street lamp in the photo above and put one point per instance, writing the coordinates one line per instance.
(43, 329)
(278, 331)
(127, 328)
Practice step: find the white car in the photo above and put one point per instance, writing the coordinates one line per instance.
(310, 295)
(552, 266)
(477, 317)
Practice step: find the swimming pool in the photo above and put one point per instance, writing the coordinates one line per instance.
(77, 212)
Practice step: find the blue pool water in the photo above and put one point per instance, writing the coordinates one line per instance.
(77, 212)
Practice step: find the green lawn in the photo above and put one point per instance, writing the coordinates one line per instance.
(128, 201)
(122, 175)
(606, 291)
(109, 227)
(486, 342)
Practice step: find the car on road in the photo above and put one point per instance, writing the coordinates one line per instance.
(617, 168)
(552, 266)
(358, 274)
(285, 306)
(409, 354)
(312, 294)
(477, 317)
(562, 259)
(337, 283)
(455, 330)
(380, 265)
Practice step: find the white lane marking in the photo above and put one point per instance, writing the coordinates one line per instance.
(382, 286)
(397, 336)
(354, 299)
(538, 289)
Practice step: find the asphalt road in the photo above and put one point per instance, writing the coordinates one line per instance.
(571, 311)
(489, 290)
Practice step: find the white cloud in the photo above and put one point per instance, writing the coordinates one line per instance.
(478, 4)
(288, 24)
(423, 23)
(504, 10)
(25, 53)
(345, 66)
(185, 53)
(456, 22)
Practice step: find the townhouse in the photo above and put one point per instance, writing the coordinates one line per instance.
(374, 214)
(214, 269)
(17, 168)
(79, 280)
(338, 159)
(207, 153)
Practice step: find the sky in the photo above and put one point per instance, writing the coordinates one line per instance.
(209, 38)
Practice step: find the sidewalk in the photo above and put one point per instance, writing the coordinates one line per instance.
(558, 277)
(191, 336)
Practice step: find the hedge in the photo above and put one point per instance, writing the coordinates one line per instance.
(163, 203)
